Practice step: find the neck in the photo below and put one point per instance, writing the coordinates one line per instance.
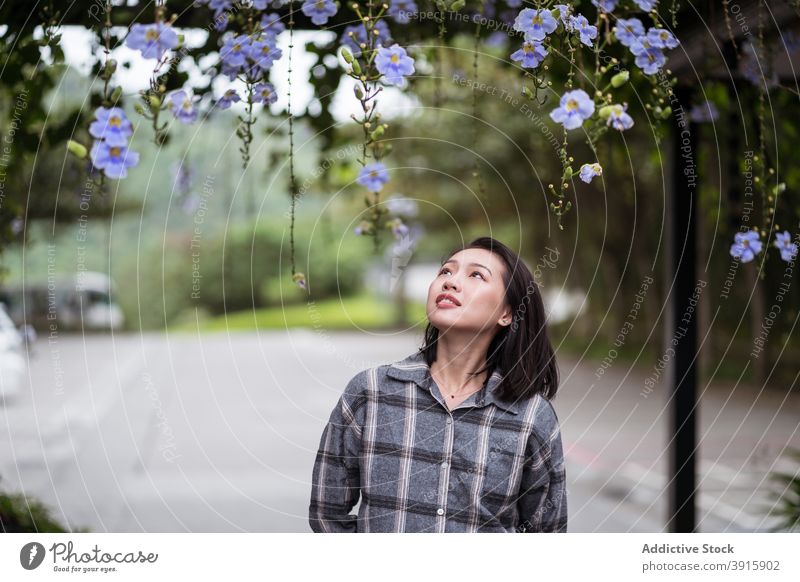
(456, 357)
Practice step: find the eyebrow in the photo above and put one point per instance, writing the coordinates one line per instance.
(476, 264)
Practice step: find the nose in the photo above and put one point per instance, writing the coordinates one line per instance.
(448, 284)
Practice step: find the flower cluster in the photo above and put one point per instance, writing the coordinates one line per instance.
(401, 10)
(537, 24)
(647, 46)
(223, 8)
(746, 245)
(354, 36)
(111, 130)
(249, 55)
(252, 56)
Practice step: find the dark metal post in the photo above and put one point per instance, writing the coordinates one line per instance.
(681, 329)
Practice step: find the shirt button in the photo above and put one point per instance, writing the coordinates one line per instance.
(444, 465)
(449, 421)
(440, 511)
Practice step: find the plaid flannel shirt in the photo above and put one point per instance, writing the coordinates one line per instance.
(485, 466)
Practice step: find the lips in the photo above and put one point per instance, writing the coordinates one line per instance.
(447, 300)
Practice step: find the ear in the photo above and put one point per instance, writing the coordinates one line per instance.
(505, 318)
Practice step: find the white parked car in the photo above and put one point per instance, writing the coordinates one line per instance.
(13, 366)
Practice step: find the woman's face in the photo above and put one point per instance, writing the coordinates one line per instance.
(474, 277)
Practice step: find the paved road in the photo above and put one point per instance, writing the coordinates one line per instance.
(177, 432)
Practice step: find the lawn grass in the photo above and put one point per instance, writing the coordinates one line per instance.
(343, 313)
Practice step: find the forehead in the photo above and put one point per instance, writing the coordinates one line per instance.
(482, 256)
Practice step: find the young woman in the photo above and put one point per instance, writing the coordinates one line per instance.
(459, 436)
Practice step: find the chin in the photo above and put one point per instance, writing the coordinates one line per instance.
(443, 322)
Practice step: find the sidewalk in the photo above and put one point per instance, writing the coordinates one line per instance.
(177, 432)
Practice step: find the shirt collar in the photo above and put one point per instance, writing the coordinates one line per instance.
(414, 368)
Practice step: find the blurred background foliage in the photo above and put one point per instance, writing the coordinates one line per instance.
(473, 170)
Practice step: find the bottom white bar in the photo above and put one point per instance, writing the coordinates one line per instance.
(266, 556)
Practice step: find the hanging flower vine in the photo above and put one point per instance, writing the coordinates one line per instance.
(611, 43)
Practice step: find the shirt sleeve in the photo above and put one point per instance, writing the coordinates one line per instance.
(335, 480)
(542, 502)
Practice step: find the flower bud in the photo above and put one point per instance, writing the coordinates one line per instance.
(620, 79)
(78, 150)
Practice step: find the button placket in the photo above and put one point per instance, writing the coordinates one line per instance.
(445, 470)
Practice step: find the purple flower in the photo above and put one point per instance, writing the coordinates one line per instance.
(401, 10)
(264, 53)
(235, 50)
(400, 205)
(271, 24)
(605, 5)
(373, 176)
(536, 24)
(627, 31)
(220, 21)
(589, 171)
(619, 119)
(113, 160)
(790, 41)
(264, 93)
(153, 40)
(184, 176)
(399, 230)
(586, 31)
(648, 58)
(746, 245)
(783, 241)
(661, 38)
(704, 112)
(530, 55)
(220, 5)
(497, 39)
(319, 10)
(228, 98)
(112, 126)
(574, 107)
(358, 36)
(646, 5)
(394, 64)
(757, 69)
(182, 106)
(563, 12)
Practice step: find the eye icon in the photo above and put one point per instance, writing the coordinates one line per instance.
(31, 555)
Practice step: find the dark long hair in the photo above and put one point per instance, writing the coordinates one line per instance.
(521, 350)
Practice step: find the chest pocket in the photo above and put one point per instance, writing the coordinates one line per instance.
(503, 473)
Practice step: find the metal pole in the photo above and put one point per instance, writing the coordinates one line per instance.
(681, 329)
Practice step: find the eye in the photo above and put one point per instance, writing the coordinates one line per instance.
(479, 273)
(443, 270)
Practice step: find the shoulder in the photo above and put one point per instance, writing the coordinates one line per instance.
(546, 430)
(358, 383)
(366, 385)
